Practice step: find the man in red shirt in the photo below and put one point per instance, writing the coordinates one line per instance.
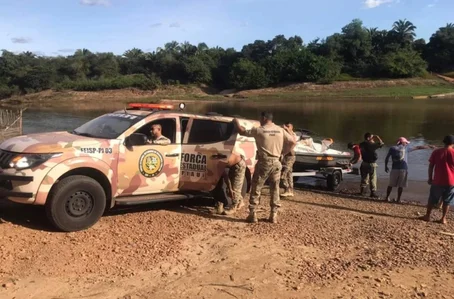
(356, 153)
(442, 182)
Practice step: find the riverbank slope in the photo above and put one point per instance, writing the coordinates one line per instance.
(402, 88)
(324, 246)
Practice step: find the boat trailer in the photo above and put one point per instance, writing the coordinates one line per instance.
(333, 175)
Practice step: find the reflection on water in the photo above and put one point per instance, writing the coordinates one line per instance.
(344, 120)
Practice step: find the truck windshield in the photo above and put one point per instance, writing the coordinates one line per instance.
(108, 126)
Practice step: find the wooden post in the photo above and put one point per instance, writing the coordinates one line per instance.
(10, 124)
(20, 122)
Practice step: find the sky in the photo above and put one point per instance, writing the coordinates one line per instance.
(59, 27)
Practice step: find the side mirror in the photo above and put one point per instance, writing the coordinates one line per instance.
(136, 139)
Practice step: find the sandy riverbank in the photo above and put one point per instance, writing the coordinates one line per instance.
(402, 88)
(324, 246)
(417, 192)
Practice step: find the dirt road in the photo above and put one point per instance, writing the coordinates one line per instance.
(323, 247)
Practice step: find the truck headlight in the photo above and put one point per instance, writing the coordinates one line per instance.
(25, 161)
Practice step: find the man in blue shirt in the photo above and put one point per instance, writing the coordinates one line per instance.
(399, 170)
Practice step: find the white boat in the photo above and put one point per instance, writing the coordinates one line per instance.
(315, 156)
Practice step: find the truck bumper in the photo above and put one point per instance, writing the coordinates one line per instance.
(7, 191)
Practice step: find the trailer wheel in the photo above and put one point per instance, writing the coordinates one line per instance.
(333, 181)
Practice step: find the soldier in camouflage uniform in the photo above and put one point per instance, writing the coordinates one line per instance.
(157, 137)
(236, 177)
(287, 165)
(272, 141)
(234, 180)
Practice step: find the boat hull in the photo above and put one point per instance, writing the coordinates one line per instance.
(309, 161)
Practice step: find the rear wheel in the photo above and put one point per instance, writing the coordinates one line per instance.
(77, 202)
(333, 180)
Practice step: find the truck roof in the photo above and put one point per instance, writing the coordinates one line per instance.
(145, 109)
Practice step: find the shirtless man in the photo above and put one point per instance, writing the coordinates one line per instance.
(157, 137)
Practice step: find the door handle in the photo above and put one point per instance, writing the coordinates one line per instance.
(172, 155)
(219, 156)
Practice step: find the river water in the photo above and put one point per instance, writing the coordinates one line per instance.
(344, 120)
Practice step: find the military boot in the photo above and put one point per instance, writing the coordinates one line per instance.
(273, 217)
(374, 195)
(252, 218)
(219, 208)
(240, 205)
(286, 193)
(229, 211)
(361, 192)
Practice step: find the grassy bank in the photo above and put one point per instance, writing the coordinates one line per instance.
(363, 89)
(378, 92)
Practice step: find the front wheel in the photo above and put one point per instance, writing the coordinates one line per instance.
(76, 203)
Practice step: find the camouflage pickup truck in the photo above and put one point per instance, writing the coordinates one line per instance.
(108, 161)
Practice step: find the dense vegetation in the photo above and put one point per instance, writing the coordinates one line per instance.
(354, 52)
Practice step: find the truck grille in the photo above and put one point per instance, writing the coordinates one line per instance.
(5, 158)
(6, 185)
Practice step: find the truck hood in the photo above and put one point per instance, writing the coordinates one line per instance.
(51, 142)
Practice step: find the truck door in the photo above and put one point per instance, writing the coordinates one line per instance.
(151, 168)
(206, 149)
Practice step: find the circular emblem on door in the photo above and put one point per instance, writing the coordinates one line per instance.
(151, 163)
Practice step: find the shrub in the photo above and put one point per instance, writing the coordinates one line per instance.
(137, 81)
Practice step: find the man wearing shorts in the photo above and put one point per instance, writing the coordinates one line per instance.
(441, 178)
(399, 171)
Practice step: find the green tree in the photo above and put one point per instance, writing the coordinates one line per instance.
(420, 46)
(440, 49)
(104, 65)
(197, 71)
(404, 31)
(403, 64)
(246, 74)
(355, 51)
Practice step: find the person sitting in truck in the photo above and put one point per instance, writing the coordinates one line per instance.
(156, 135)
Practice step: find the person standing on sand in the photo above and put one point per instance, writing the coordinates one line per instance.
(287, 165)
(441, 178)
(369, 165)
(272, 142)
(399, 170)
